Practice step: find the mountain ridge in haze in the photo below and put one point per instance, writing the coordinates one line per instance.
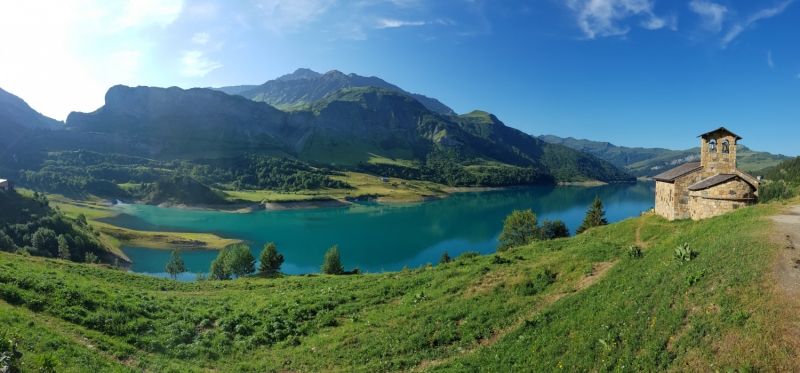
(15, 109)
(647, 162)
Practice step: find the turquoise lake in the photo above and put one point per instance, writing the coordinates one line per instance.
(375, 236)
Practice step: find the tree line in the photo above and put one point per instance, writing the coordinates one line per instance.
(89, 172)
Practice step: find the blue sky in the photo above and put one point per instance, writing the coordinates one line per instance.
(651, 73)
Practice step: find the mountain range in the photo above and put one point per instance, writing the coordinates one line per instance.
(350, 125)
(324, 118)
(647, 162)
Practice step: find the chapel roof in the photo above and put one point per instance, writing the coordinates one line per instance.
(679, 171)
(722, 129)
(711, 181)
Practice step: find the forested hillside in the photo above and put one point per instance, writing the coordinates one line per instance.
(780, 182)
(30, 226)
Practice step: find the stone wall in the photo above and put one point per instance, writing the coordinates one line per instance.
(664, 200)
(717, 162)
(672, 199)
(722, 198)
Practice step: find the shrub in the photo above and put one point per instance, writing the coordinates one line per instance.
(92, 259)
(695, 278)
(684, 253)
(537, 284)
(634, 252)
(497, 259)
(468, 255)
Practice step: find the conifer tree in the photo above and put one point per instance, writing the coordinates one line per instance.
(333, 262)
(594, 217)
(445, 258)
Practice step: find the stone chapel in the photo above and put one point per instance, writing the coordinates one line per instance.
(707, 188)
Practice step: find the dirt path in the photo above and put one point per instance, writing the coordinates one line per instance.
(786, 272)
(787, 266)
(598, 270)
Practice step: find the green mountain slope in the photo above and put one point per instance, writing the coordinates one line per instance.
(571, 304)
(646, 162)
(348, 126)
(303, 87)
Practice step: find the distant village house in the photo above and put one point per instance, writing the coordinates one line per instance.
(711, 187)
(6, 185)
(384, 179)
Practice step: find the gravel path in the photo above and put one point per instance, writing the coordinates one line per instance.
(787, 267)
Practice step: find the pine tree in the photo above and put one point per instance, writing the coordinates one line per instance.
(175, 265)
(445, 258)
(594, 217)
(270, 258)
(333, 262)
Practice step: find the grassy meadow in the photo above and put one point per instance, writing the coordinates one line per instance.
(577, 304)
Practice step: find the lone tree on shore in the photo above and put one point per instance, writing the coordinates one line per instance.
(333, 262)
(175, 265)
(519, 229)
(594, 217)
(445, 258)
(270, 258)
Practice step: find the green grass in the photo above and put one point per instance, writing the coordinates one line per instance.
(116, 236)
(473, 315)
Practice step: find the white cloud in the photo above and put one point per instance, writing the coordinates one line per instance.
(389, 23)
(195, 65)
(201, 38)
(712, 14)
(602, 17)
(287, 15)
(762, 14)
(769, 59)
(149, 12)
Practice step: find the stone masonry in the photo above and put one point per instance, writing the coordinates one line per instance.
(707, 188)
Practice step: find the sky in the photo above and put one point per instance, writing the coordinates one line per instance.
(649, 73)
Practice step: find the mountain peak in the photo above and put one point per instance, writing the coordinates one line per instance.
(301, 73)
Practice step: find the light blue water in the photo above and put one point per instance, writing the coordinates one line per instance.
(377, 236)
